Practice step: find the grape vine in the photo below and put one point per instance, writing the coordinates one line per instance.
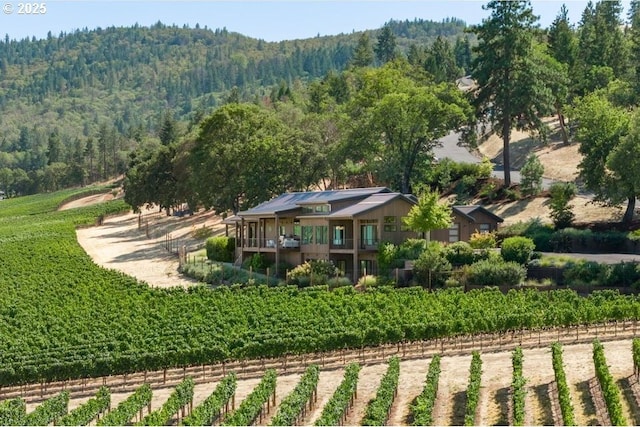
(292, 406)
(473, 389)
(181, 396)
(334, 411)
(209, 410)
(517, 387)
(48, 411)
(610, 391)
(564, 395)
(377, 412)
(12, 412)
(422, 409)
(251, 407)
(127, 409)
(86, 413)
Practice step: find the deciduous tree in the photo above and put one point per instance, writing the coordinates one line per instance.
(428, 214)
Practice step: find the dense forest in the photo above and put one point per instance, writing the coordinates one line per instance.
(219, 120)
(377, 121)
(78, 103)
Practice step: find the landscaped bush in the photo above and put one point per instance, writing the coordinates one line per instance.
(221, 248)
(392, 256)
(312, 273)
(561, 193)
(517, 249)
(490, 273)
(586, 273)
(367, 282)
(624, 274)
(483, 240)
(534, 229)
(257, 262)
(460, 253)
(432, 268)
(338, 282)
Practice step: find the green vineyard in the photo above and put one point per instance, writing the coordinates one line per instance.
(348, 395)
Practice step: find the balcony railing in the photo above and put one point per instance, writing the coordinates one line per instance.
(369, 244)
(271, 243)
(341, 244)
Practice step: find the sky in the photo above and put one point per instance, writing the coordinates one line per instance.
(264, 19)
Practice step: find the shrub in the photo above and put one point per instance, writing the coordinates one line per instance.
(367, 282)
(411, 249)
(532, 171)
(483, 240)
(387, 257)
(561, 193)
(313, 272)
(624, 274)
(338, 282)
(517, 249)
(431, 267)
(460, 253)
(489, 273)
(257, 262)
(586, 273)
(489, 191)
(221, 248)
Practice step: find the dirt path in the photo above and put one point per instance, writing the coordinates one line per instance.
(137, 246)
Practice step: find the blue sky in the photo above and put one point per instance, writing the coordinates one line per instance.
(268, 20)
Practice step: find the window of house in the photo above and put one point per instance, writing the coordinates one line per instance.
(390, 223)
(369, 234)
(307, 209)
(341, 265)
(366, 267)
(307, 234)
(322, 235)
(454, 233)
(283, 230)
(322, 208)
(339, 235)
(297, 230)
(485, 228)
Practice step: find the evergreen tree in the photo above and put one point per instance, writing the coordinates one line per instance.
(441, 62)
(462, 52)
(386, 47)
(561, 38)
(634, 30)
(510, 90)
(54, 148)
(168, 133)
(363, 53)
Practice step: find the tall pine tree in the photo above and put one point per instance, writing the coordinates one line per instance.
(510, 92)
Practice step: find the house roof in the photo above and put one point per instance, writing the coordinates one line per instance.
(372, 202)
(469, 211)
(291, 201)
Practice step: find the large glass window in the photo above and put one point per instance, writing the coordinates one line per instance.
(297, 230)
(307, 234)
(369, 234)
(338, 235)
(322, 235)
(454, 233)
(366, 267)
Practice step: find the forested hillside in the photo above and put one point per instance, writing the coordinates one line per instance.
(93, 95)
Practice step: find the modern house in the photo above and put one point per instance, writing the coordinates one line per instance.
(342, 226)
(467, 220)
